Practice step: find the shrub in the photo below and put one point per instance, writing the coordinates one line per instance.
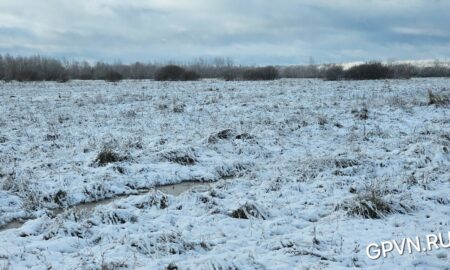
(60, 197)
(175, 73)
(2, 68)
(248, 211)
(113, 76)
(106, 156)
(322, 120)
(183, 157)
(334, 73)
(435, 71)
(63, 77)
(309, 71)
(261, 73)
(86, 75)
(169, 73)
(362, 114)
(178, 108)
(367, 71)
(190, 75)
(157, 199)
(38, 68)
(221, 135)
(171, 266)
(438, 100)
(230, 74)
(402, 71)
(372, 203)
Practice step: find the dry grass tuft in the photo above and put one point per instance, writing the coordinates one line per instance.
(438, 100)
(107, 156)
(248, 211)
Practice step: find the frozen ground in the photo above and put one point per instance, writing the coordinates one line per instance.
(294, 164)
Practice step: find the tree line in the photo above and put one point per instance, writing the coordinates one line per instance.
(377, 70)
(39, 68)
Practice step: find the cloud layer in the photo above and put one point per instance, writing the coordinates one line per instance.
(251, 31)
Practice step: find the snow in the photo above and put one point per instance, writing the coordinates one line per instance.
(291, 151)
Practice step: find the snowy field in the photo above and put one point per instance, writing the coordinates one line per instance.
(303, 174)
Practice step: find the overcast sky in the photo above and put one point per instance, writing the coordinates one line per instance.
(249, 31)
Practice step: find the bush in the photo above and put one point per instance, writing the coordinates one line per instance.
(171, 266)
(230, 74)
(169, 73)
(38, 68)
(402, 71)
(262, 73)
(183, 157)
(113, 76)
(372, 203)
(310, 71)
(63, 77)
(86, 76)
(175, 73)
(435, 71)
(367, 71)
(438, 100)
(248, 211)
(106, 156)
(190, 75)
(334, 73)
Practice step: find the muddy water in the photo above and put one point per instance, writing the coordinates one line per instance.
(173, 189)
(177, 189)
(12, 225)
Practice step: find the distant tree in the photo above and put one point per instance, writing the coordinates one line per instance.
(2, 68)
(437, 70)
(169, 73)
(112, 76)
(142, 71)
(38, 68)
(367, 71)
(334, 73)
(230, 74)
(261, 73)
(402, 71)
(175, 73)
(64, 77)
(190, 75)
(86, 72)
(310, 71)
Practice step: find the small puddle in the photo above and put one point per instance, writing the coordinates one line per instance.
(177, 189)
(12, 225)
(172, 189)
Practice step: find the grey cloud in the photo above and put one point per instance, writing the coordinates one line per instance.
(15, 32)
(256, 32)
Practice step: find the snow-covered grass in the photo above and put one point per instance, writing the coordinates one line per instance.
(304, 173)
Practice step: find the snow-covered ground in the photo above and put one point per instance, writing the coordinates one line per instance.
(304, 173)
